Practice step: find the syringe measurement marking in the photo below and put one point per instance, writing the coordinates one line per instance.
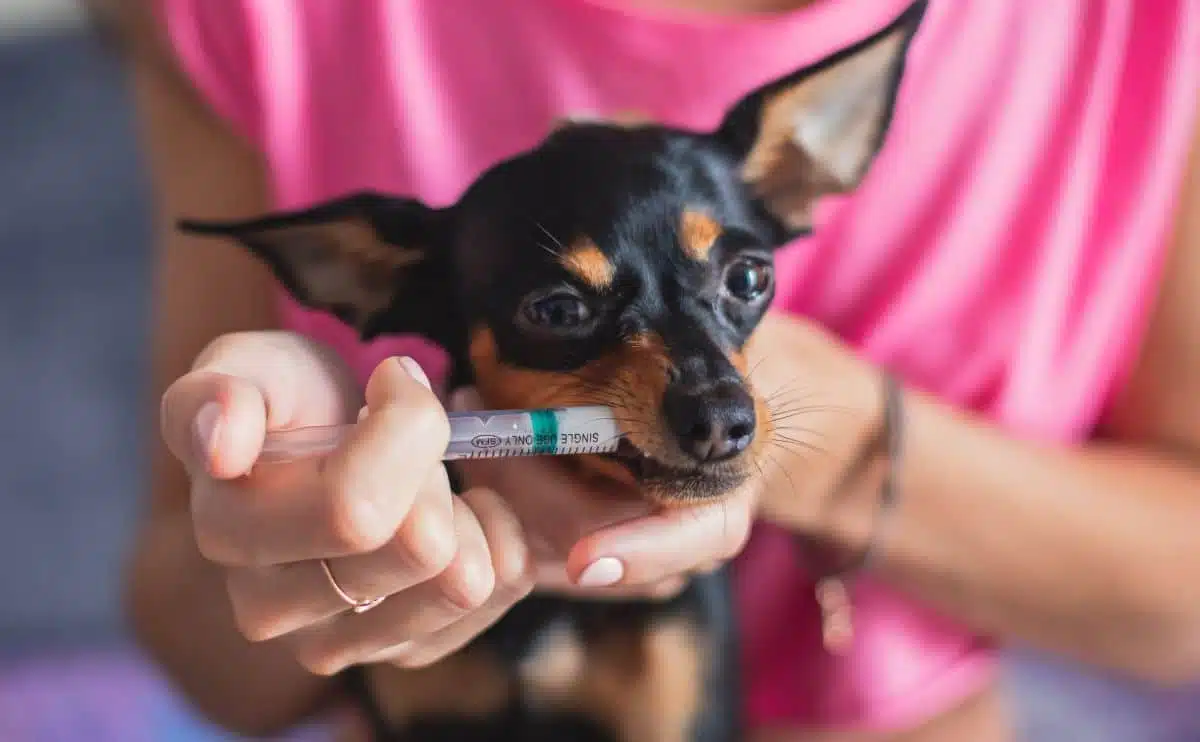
(538, 440)
(500, 452)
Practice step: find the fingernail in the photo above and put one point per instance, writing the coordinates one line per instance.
(207, 424)
(414, 370)
(362, 414)
(603, 572)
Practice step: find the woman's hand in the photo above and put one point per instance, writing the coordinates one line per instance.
(598, 540)
(379, 509)
(827, 408)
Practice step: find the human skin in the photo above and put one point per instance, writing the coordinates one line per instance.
(1129, 602)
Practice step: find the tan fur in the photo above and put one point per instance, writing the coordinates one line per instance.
(346, 264)
(698, 232)
(552, 674)
(815, 135)
(764, 424)
(466, 683)
(631, 381)
(648, 687)
(590, 264)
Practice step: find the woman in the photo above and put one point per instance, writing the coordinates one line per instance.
(1024, 257)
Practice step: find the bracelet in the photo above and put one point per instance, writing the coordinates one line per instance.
(831, 591)
(892, 435)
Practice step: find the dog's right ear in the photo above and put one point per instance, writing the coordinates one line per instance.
(816, 131)
(380, 264)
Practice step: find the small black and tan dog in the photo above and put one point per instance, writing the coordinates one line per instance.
(618, 264)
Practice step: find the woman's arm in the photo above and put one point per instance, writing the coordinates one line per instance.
(176, 599)
(1093, 552)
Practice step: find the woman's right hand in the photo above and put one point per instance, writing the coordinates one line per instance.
(379, 509)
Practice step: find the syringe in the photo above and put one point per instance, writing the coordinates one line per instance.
(482, 434)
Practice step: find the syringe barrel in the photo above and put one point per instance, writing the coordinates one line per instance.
(477, 435)
(546, 432)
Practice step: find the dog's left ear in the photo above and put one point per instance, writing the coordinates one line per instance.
(376, 262)
(816, 131)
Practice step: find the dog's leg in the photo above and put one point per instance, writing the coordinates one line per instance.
(651, 685)
(651, 681)
(467, 688)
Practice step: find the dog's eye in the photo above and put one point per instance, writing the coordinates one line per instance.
(748, 279)
(557, 311)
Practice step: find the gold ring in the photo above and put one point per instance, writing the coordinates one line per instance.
(358, 606)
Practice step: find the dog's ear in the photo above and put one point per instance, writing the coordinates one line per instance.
(816, 131)
(375, 262)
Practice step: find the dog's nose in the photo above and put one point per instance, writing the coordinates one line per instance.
(711, 425)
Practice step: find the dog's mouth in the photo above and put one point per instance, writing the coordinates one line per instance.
(640, 464)
(675, 482)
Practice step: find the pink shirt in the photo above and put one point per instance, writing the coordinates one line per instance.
(1002, 253)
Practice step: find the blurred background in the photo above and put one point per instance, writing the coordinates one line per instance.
(74, 308)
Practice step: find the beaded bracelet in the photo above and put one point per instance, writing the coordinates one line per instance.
(837, 630)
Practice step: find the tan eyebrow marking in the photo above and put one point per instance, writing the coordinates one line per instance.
(698, 232)
(585, 260)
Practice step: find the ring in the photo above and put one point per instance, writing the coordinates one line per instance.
(358, 606)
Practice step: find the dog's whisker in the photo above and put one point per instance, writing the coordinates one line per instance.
(797, 433)
(790, 389)
(547, 232)
(800, 448)
(784, 430)
(786, 475)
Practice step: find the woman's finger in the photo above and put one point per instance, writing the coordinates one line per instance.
(350, 638)
(213, 418)
(662, 545)
(276, 600)
(555, 507)
(350, 502)
(433, 647)
(214, 423)
(553, 578)
(514, 580)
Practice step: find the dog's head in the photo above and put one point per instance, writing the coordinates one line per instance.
(624, 265)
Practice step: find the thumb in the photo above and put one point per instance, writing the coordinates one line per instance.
(214, 423)
(214, 419)
(662, 545)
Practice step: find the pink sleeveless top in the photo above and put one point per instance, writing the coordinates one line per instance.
(1002, 253)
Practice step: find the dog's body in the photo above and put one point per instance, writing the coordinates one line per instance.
(621, 265)
(557, 669)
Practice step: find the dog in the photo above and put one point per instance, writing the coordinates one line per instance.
(625, 264)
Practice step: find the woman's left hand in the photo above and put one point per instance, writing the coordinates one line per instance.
(826, 407)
